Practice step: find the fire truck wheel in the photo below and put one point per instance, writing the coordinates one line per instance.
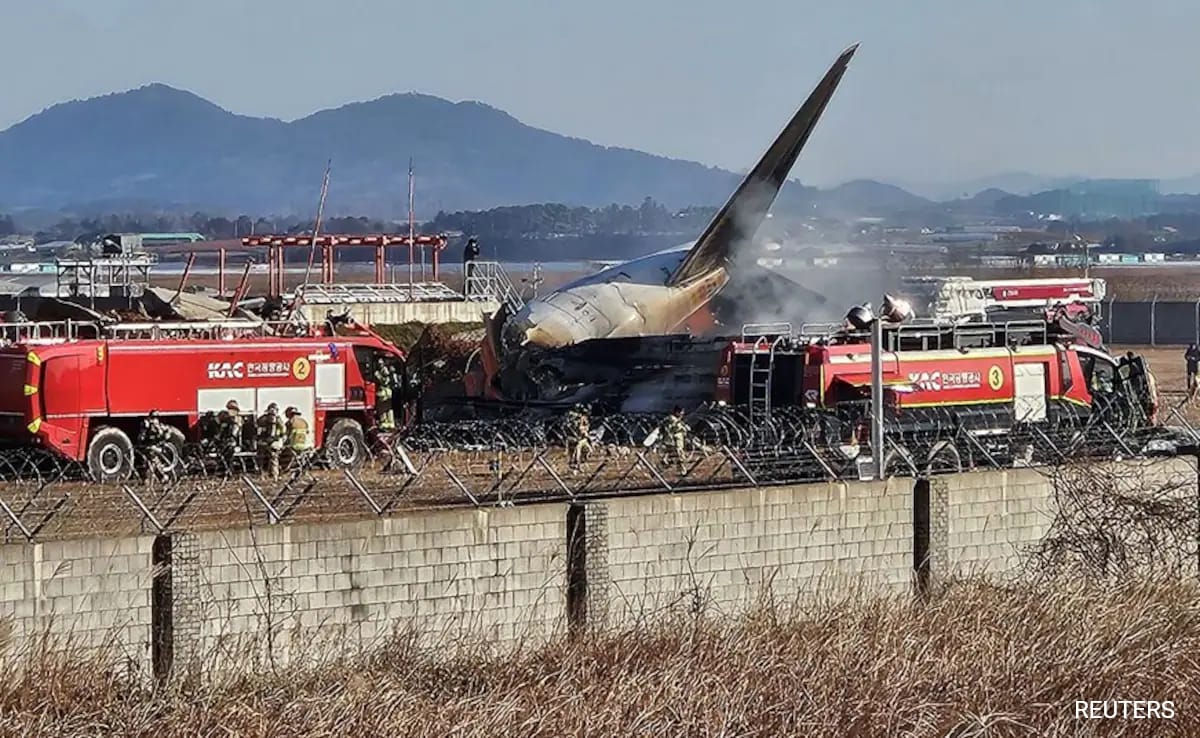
(345, 444)
(110, 455)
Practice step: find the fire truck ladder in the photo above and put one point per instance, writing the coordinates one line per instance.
(770, 336)
(45, 331)
(200, 329)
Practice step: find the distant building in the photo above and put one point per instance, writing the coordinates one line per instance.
(1000, 261)
(129, 242)
(168, 239)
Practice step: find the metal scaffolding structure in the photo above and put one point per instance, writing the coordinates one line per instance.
(103, 276)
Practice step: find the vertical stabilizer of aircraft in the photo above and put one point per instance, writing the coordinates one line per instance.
(741, 216)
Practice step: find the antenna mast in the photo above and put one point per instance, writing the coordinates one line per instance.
(411, 230)
(312, 244)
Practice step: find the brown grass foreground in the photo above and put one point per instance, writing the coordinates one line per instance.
(978, 660)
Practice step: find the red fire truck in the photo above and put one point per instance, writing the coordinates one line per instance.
(982, 378)
(82, 390)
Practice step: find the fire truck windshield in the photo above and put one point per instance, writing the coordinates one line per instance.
(1097, 372)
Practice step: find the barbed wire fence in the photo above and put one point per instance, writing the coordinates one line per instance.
(526, 458)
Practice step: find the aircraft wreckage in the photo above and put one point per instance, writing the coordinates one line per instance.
(610, 334)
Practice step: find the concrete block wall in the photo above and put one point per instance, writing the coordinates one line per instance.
(988, 522)
(982, 522)
(89, 596)
(725, 551)
(287, 593)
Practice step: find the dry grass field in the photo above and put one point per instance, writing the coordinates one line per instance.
(1146, 283)
(977, 660)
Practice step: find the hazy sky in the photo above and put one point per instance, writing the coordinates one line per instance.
(940, 89)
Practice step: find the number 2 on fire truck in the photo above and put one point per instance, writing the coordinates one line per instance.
(300, 368)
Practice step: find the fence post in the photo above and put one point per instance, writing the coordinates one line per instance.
(588, 576)
(1112, 316)
(922, 525)
(1153, 313)
(162, 628)
(1196, 323)
(576, 568)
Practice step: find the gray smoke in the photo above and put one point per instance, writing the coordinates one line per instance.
(779, 278)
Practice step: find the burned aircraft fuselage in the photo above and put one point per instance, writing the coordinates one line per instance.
(625, 300)
(634, 374)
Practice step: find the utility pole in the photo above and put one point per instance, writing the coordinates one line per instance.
(877, 451)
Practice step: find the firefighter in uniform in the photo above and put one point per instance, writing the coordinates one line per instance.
(298, 442)
(470, 254)
(1192, 358)
(270, 439)
(385, 382)
(675, 433)
(229, 433)
(153, 440)
(210, 430)
(411, 379)
(578, 435)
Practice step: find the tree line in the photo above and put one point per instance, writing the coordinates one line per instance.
(555, 220)
(541, 221)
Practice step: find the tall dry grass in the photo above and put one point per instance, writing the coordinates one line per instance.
(977, 660)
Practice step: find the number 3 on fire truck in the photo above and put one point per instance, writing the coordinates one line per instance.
(300, 368)
(995, 378)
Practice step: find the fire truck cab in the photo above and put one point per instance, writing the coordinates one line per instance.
(82, 391)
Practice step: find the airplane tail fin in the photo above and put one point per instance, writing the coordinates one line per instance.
(743, 214)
